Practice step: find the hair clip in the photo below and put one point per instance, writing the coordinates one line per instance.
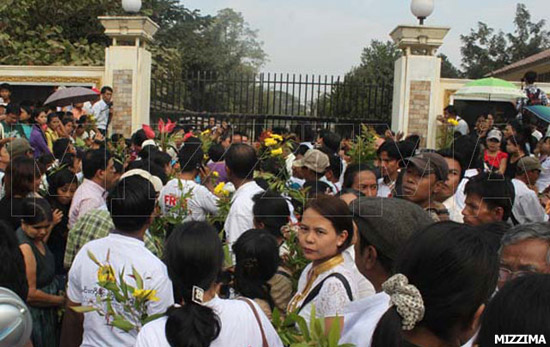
(197, 295)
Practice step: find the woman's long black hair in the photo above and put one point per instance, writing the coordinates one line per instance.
(194, 257)
(257, 255)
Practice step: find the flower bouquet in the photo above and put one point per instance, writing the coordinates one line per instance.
(163, 137)
(122, 305)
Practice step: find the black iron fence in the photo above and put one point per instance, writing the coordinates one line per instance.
(252, 125)
(272, 100)
(274, 94)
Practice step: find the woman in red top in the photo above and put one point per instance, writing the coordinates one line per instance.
(493, 158)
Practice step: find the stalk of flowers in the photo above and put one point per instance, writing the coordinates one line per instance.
(363, 148)
(122, 305)
(452, 122)
(164, 130)
(224, 203)
(206, 138)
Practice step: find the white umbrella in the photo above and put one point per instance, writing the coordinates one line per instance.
(68, 96)
(489, 89)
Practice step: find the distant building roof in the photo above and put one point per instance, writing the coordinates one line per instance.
(537, 58)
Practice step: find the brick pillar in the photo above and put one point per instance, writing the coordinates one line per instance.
(416, 81)
(128, 70)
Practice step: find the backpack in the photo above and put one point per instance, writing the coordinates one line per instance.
(534, 98)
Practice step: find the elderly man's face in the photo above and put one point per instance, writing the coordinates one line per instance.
(522, 258)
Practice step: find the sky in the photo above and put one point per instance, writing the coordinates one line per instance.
(327, 36)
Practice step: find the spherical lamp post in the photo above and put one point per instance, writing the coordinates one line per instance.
(132, 6)
(422, 9)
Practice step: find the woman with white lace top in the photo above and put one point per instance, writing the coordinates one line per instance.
(326, 230)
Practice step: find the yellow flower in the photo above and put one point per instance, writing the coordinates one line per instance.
(215, 174)
(277, 137)
(145, 294)
(106, 273)
(218, 190)
(205, 157)
(270, 142)
(276, 152)
(453, 122)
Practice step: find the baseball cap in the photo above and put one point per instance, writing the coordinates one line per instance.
(18, 147)
(314, 160)
(527, 164)
(387, 223)
(429, 163)
(494, 134)
(155, 181)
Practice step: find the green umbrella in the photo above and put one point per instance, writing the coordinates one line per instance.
(489, 89)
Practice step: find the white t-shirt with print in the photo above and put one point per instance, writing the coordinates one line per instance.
(239, 327)
(201, 202)
(124, 252)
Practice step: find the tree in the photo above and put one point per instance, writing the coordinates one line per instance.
(448, 70)
(56, 32)
(485, 50)
(366, 90)
(377, 63)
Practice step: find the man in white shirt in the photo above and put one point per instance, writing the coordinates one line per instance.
(384, 226)
(102, 109)
(201, 201)
(240, 161)
(100, 175)
(447, 196)
(131, 205)
(462, 127)
(527, 207)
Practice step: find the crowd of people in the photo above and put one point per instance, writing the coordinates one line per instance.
(412, 247)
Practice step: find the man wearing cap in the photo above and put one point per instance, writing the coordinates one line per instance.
(425, 176)
(527, 207)
(313, 165)
(19, 147)
(384, 226)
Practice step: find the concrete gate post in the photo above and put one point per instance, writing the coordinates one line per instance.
(416, 80)
(128, 70)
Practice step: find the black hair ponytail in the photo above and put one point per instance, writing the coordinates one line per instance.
(194, 257)
(192, 325)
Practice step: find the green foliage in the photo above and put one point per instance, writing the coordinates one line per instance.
(484, 50)
(45, 32)
(363, 149)
(448, 70)
(353, 96)
(294, 331)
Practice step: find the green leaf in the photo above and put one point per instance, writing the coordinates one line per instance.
(94, 259)
(137, 277)
(334, 332)
(121, 323)
(302, 324)
(83, 309)
(152, 318)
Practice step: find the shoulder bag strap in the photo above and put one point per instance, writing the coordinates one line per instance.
(264, 339)
(315, 291)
